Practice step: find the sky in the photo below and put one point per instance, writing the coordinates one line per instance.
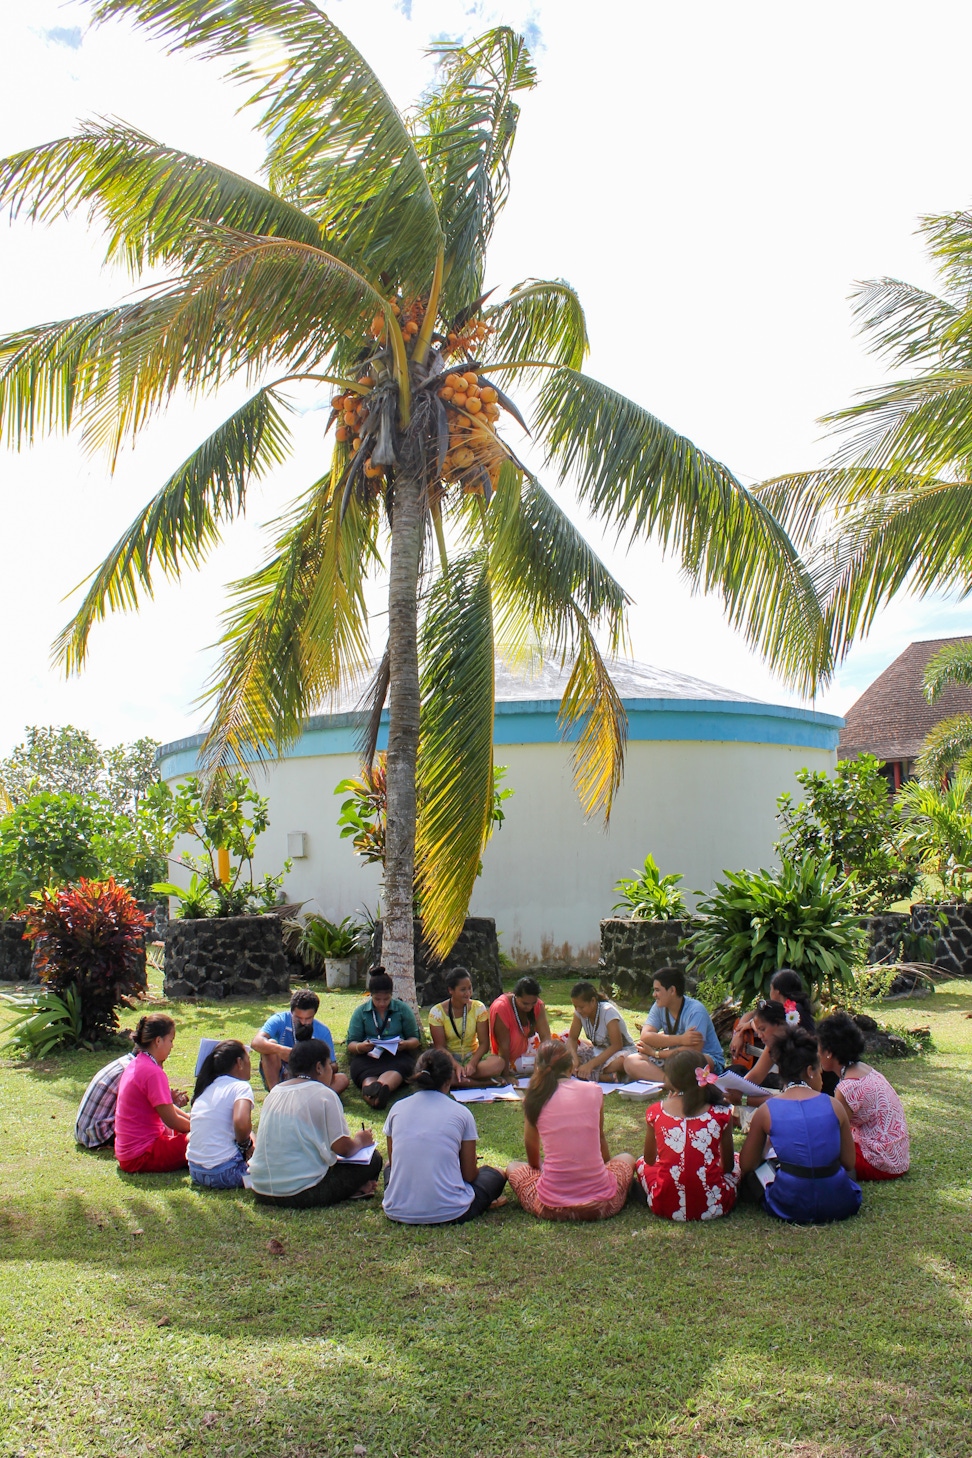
(711, 178)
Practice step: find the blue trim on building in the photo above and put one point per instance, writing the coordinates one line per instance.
(535, 722)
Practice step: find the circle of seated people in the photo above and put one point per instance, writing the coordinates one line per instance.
(817, 1119)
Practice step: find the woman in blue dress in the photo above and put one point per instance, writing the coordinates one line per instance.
(811, 1140)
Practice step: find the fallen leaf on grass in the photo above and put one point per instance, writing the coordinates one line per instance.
(138, 1232)
(276, 1247)
(359, 1450)
(164, 1321)
(210, 1420)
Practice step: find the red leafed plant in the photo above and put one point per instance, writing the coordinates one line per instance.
(90, 936)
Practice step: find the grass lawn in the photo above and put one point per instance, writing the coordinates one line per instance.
(140, 1316)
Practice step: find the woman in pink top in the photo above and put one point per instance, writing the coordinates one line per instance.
(578, 1179)
(150, 1131)
(877, 1118)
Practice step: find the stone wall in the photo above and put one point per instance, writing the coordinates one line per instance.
(884, 935)
(477, 950)
(233, 956)
(15, 953)
(633, 951)
(953, 949)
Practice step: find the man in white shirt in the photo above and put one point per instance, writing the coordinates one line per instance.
(305, 1154)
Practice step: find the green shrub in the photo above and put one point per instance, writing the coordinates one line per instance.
(755, 922)
(850, 819)
(44, 1021)
(650, 896)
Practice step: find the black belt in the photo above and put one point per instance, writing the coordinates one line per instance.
(809, 1171)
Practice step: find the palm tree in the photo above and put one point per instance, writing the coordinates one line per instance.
(893, 509)
(357, 266)
(948, 747)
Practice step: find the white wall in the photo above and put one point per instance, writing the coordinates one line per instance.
(548, 877)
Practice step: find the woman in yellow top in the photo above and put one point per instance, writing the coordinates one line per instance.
(460, 1025)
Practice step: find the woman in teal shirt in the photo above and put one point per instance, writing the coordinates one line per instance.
(378, 1071)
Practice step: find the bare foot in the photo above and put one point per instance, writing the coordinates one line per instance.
(366, 1191)
(498, 1204)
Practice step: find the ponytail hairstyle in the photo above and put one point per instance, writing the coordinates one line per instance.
(588, 992)
(682, 1070)
(218, 1060)
(771, 1012)
(433, 1070)
(790, 986)
(554, 1062)
(795, 1052)
(156, 1025)
(457, 975)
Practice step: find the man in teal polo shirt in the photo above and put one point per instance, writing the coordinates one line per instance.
(378, 1070)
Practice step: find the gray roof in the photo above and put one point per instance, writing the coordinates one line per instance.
(525, 685)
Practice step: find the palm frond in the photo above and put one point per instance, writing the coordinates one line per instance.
(945, 747)
(183, 521)
(337, 144)
(950, 665)
(541, 320)
(297, 630)
(254, 301)
(919, 425)
(465, 132)
(592, 705)
(151, 198)
(644, 478)
(919, 536)
(909, 324)
(455, 761)
(543, 570)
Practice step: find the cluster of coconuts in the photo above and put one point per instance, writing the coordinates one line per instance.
(409, 318)
(351, 413)
(472, 440)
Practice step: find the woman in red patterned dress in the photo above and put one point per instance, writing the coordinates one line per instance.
(688, 1168)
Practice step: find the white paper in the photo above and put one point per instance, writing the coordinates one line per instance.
(360, 1156)
(638, 1088)
(384, 1045)
(729, 1080)
(484, 1095)
(765, 1173)
(523, 1083)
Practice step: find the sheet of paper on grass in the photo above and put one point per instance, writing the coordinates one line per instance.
(384, 1045)
(360, 1156)
(729, 1080)
(638, 1088)
(484, 1095)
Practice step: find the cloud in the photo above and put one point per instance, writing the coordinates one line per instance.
(60, 35)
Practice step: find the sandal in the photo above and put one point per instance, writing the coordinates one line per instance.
(370, 1093)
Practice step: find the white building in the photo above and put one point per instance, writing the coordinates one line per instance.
(703, 770)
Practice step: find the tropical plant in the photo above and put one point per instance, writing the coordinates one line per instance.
(90, 937)
(225, 817)
(948, 746)
(358, 266)
(850, 819)
(650, 896)
(937, 831)
(364, 813)
(44, 1021)
(892, 511)
(755, 922)
(325, 940)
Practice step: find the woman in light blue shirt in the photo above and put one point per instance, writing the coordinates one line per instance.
(675, 1021)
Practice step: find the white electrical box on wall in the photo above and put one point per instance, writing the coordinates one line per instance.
(296, 844)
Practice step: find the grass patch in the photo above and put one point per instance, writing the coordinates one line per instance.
(140, 1316)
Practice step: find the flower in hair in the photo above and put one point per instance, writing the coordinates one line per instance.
(792, 1013)
(704, 1076)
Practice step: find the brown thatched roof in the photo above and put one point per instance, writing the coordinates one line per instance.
(892, 717)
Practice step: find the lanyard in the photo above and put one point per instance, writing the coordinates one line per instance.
(591, 1028)
(380, 1031)
(465, 1014)
(516, 1014)
(668, 1022)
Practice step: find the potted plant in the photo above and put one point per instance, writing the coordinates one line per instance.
(336, 944)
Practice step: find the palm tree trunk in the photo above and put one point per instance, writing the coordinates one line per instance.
(397, 942)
